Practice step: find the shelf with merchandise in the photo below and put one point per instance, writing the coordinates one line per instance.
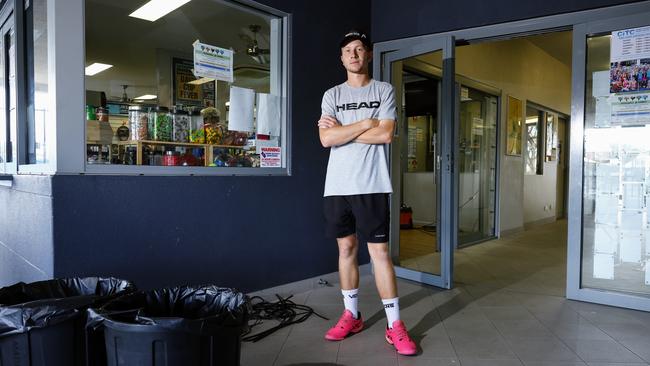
(208, 149)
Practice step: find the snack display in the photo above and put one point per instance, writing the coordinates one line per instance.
(171, 158)
(123, 132)
(213, 130)
(235, 138)
(180, 126)
(162, 124)
(138, 122)
(157, 136)
(101, 114)
(213, 133)
(197, 132)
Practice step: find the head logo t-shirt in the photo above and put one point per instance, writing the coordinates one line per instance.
(357, 168)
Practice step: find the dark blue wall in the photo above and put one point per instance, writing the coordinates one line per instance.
(246, 232)
(406, 18)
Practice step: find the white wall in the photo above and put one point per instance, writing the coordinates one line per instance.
(540, 194)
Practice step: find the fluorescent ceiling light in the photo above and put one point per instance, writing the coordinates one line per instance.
(96, 68)
(147, 97)
(156, 9)
(200, 81)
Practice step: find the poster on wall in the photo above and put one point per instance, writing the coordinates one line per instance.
(514, 126)
(186, 94)
(212, 62)
(630, 60)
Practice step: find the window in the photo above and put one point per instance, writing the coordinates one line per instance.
(37, 116)
(199, 89)
(534, 141)
(8, 146)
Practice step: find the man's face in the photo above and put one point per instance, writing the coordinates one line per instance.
(355, 57)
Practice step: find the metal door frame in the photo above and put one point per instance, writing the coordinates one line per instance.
(574, 287)
(8, 23)
(446, 216)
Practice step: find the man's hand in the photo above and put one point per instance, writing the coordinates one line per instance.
(328, 122)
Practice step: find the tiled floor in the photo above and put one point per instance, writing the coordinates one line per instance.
(508, 308)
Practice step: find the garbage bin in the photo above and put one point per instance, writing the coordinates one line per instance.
(42, 323)
(173, 326)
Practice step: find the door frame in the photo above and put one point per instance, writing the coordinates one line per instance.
(446, 198)
(8, 22)
(578, 22)
(574, 287)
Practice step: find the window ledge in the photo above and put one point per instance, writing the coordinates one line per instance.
(6, 180)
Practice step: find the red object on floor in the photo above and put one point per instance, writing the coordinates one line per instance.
(405, 218)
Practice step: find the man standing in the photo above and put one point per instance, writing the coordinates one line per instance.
(357, 122)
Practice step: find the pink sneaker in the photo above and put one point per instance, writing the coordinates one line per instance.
(399, 337)
(346, 325)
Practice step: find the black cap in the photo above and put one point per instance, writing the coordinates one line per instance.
(354, 35)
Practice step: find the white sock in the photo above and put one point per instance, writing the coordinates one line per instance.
(391, 306)
(351, 301)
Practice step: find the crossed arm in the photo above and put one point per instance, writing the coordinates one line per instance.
(367, 131)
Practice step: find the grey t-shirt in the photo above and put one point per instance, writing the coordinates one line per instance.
(357, 168)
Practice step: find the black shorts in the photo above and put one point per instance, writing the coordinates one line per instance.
(367, 214)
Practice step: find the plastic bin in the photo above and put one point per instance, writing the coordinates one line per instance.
(42, 323)
(173, 326)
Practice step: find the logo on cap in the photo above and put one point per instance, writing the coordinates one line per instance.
(355, 34)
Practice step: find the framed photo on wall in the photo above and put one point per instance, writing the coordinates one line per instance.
(514, 126)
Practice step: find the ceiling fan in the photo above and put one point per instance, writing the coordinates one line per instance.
(260, 55)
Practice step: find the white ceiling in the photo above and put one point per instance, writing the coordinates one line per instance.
(130, 44)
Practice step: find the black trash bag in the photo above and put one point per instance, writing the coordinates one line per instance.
(196, 311)
(24, 306)
(184, 308)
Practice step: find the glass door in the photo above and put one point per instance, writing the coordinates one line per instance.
(477, 165)
(422, 166)
(609, 198)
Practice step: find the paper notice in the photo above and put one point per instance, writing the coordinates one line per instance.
(268, 114)
(630, 109)
(630, 44)
(240, 117)
(600, 84)
(212, 62)
(271, 157)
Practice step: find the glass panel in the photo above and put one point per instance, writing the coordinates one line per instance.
(477, 165)
(156, 107)
(9, 70)
(534, 118)
(418, 242)
(550, 136)
(5, 127)
(37, 82)
(616, 221)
